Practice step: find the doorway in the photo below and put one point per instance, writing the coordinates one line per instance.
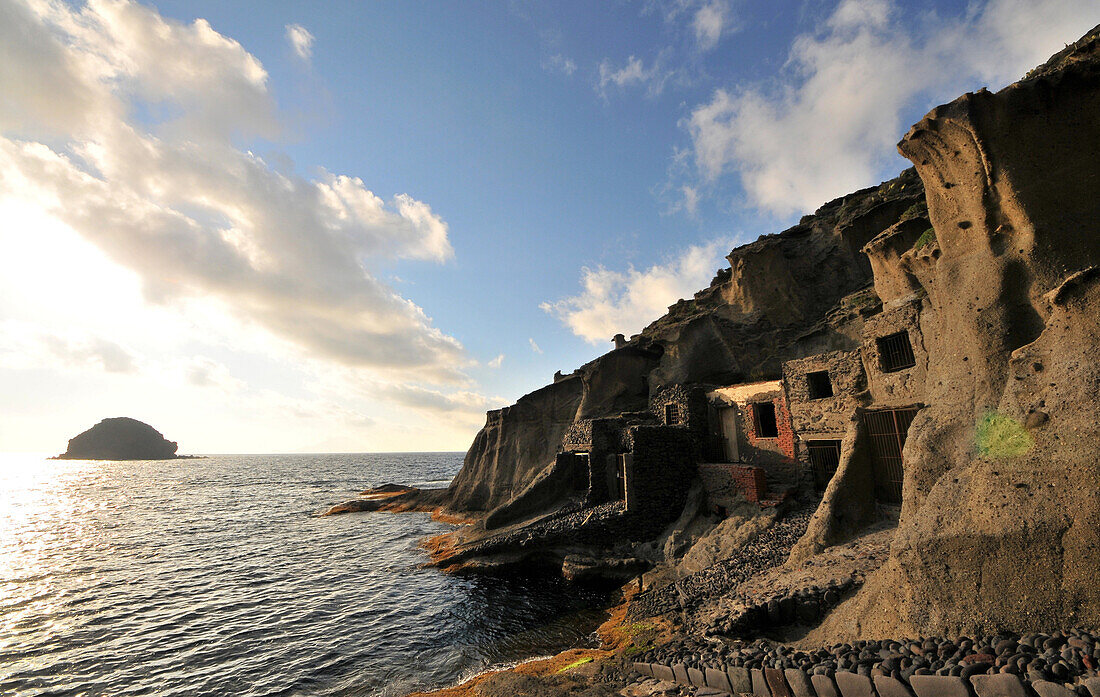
(727, 434)
(887, 430)
(824, 460)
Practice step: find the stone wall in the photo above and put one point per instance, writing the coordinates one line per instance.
(661, 470)
(828, 417)
(724, 678)
(691, 406)
(902, 387)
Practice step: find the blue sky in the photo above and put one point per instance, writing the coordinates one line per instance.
(355, 226)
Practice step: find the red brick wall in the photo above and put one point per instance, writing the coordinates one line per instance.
(785, 442)
(747, 479)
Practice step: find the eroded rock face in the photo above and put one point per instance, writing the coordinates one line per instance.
(516, 444)
(772, 305)
(120, 438)
(1000, 524)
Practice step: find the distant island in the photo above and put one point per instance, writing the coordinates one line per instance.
(120, 438)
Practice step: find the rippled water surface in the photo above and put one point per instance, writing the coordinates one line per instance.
(217, 577)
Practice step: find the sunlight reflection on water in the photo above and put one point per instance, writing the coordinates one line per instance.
(216, 576)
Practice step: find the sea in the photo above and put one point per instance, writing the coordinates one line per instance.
(219, 576)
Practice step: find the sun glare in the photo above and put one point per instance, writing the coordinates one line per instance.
(49, 266)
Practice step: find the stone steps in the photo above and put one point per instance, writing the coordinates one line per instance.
(774, 682)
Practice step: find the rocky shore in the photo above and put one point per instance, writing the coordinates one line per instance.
(904, 392)
(1066, 658)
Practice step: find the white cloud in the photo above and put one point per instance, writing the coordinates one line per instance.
(635, 74)
(624, 302)
(710, 21)
(558, 63)
(194, 216)
(26, 346)
(201, 371)
(829, 126)
(689, 200)
(534, 346)
(300, 40)
(496, 362)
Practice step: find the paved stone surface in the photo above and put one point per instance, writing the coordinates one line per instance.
(799, 683)
(776, 682)
(696, 677)
(680, 671)
(718, 679)
(854, 685)
(886, 686)
(824, 686)
(1092, 685)
(1000, 685)
(939, 686)
(1045, 688)
(740, 680)
(759, 683)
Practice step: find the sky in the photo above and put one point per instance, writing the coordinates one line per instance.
(349, 226)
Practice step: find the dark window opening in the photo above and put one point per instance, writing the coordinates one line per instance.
(672, 414)
(895, 352)
(887, 430)
(819, 385)
(824, 459)
(763, 415)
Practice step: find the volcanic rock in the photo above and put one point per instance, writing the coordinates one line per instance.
(120, 438)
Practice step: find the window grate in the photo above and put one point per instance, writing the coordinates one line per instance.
(819, 385)
(672, 415)
(895, 352)
(887, 430)
(824, 459)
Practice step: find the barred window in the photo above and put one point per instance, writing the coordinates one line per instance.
(672, 414)
(895, 352)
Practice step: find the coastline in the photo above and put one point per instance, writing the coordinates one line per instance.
(575, 668)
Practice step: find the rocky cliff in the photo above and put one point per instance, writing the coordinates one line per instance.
(985, 259)
(120, 438)
(781, 298)
(1001, 471)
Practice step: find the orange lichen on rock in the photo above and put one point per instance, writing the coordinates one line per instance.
(440, 547)
(578, 661)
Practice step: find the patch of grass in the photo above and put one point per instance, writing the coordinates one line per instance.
(998, 436)
(576, 664)
(926, 238)
(916, 209)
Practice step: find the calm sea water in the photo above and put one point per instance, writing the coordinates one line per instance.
(217, 577)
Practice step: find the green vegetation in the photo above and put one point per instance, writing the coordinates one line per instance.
(576, 664)
(999, 436)
(916, 209)
(927, 237)
(634, 650)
